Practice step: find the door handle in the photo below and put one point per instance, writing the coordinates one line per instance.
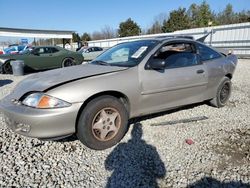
(200, 71)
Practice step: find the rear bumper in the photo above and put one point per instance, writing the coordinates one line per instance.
(40, 123)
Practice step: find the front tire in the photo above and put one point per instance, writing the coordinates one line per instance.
(223, 93)
(102, 123)
(7, 68)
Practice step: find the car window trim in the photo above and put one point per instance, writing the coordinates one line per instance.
(176, 42)
(197, 48)
(209, 59)
(183, 66)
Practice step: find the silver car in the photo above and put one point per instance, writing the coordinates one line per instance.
(96, 100)
(90, 53)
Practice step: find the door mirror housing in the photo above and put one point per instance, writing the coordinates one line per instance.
(157, 64)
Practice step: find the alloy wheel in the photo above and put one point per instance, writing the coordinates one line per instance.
(106, 124)
(224, 93)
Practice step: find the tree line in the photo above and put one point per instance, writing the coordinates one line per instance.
(197, 15)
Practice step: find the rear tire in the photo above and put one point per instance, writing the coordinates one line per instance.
(7, 68)
(68, 62)
(223, 93)
(102, 123)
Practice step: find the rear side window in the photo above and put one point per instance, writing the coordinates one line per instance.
(90, 49)
(54, 50)
(39, 50)
(207, 53)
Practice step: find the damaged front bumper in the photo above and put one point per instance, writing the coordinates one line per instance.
(39, 123)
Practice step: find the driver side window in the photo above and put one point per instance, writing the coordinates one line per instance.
(177, 55)
(40, 51)
(36, 51)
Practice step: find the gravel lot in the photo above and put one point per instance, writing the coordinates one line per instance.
(154, 152)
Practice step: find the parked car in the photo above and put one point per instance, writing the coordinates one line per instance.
(132, 79)
(90, 53)
(42, 58)
(11, 50)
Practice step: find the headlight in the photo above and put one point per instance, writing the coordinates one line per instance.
(41, 100)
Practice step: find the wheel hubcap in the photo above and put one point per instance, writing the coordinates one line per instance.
(106, 124)
(68, 62)
(225, 90)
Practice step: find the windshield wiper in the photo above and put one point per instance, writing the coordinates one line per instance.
(99, 62)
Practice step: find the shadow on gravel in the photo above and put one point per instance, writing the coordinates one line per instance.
(5, 82)
(187, 107)
(135, 163)
(208, 182)
(70, 138)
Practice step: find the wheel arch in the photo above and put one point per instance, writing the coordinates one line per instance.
(229, 75)
(67, 57)
(122, 97)
(8, 60)
(70, 57)
(5, 62)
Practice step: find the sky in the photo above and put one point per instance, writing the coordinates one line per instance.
(89, 16)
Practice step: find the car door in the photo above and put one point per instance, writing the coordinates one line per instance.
(182, 81)
(88, 54)
(56, 58)
(93, 53)
(40, 59)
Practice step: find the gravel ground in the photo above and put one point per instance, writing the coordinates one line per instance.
(155, 151)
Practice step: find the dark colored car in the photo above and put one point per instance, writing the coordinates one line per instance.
(42, 58)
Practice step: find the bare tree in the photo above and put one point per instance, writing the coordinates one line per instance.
(97, 35)
(108, 32)
(160, 18)
(157, 24)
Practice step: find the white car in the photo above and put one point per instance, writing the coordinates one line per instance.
(90, 53)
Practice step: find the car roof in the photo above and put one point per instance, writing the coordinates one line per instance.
(45, 46)
(163, 40)
(172, 38)
(58, 47)
(93, 47)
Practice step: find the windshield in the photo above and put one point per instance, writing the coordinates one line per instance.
(11, 49)
(27, 51)
(126, 54)
(82, 50)
(20, 48)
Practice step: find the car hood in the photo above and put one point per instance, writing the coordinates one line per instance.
(9, 56)
(50, 79)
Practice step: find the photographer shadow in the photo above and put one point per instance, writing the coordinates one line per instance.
(135, 163)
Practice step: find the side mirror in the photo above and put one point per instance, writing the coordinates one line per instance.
(158, 64)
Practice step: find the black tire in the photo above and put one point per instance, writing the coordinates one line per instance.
(223, 93)
(91, 136)
(68, 62)
(7, 68)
